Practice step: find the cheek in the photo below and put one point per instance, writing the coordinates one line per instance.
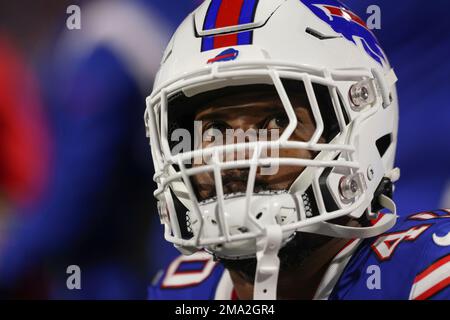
(306, 127)
(203, 185)
(303, 133)
(296, 153)
(283, 179)
(203, 180)
(286, 175)
(202, 177)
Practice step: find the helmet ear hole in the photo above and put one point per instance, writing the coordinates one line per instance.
(386, 187)
(330, 203)
(383, 144)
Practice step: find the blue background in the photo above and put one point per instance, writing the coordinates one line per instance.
(98, 210)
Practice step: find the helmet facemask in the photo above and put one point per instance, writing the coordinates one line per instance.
(223, 204)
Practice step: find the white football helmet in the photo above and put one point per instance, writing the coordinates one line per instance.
(318, 43)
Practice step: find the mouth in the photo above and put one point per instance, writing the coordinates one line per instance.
(234, 186)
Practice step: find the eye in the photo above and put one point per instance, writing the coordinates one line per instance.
(211, 127)
(280, 121)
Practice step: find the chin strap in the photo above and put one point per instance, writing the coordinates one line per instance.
(333, 230)
(268, 264)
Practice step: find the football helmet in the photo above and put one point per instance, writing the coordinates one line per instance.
(318, 44)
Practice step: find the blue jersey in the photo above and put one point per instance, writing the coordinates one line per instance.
(411, 261)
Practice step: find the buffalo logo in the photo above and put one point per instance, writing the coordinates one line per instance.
(345, 22)
(227, 55)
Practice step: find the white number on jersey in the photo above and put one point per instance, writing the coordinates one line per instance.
(188, 271)
(386, 244)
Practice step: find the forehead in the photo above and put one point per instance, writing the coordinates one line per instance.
(241, 103)
(259, 100)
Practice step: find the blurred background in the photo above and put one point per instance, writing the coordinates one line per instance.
(75, 168)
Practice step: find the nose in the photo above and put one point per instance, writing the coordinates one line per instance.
(238, 135)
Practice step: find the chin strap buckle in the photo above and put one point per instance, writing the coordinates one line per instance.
(268, 264)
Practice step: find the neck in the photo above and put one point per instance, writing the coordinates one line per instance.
(298, 284)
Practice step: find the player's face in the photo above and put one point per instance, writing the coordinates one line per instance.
(253, 111)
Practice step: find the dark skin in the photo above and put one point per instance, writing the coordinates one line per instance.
(261, 110)
(298, 284)
(255, 111)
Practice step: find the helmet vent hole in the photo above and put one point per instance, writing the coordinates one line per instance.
(319, 35)
(243, 229)
(310, 204)
(183, 220)
(259, 215)
(383, 144)
(167, 56)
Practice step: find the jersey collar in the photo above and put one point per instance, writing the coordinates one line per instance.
(335, 270)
